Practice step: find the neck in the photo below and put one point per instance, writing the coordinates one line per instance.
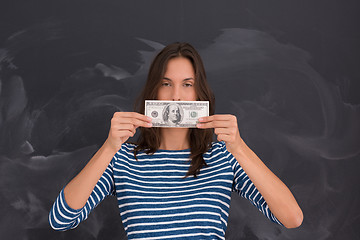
(174, 138)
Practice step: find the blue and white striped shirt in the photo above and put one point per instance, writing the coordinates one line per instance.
(157, 202)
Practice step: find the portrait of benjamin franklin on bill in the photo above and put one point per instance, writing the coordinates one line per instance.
(173, 114)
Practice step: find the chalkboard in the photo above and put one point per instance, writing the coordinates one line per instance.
(287, 69)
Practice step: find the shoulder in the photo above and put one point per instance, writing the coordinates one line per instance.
(218, 156)
(126, 150)
(127, 146)
(217, 150)
(217, 147)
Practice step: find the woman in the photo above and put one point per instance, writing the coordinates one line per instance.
(175, 182)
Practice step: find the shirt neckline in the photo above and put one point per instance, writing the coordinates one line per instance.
(181, 150)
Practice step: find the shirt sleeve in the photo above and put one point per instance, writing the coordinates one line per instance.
(245, 187)
(62, 217)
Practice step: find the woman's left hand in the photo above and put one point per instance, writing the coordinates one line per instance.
(226, 128)
(279, 198)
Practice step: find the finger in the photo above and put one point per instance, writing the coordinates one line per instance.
(226, 131)
(135, 122)
(223, 137)
(141, 117)
(123, 127)
(204, 125)
(126, 118)
(133, 115)
(215, 124)
(125, 133)
(121, 134)
(221, 117)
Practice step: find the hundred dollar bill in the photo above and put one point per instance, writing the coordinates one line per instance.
(182, 114)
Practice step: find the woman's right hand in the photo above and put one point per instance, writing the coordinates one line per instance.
(123, 126)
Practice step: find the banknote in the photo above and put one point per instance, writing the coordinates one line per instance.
(181, 114)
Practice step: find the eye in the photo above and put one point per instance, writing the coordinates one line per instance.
(166, 84)
(188, 85)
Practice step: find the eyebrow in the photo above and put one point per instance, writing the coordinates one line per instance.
(186, 79)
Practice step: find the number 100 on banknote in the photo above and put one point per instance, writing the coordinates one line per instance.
(181, 114)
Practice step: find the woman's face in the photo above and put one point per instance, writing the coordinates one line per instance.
(178, 81)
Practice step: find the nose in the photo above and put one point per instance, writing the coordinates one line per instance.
(176, 93)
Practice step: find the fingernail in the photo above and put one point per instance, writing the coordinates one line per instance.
(198, 125)
(200, 119)
(149, 118)
(149, 124)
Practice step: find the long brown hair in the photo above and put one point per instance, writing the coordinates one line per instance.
(200, 139)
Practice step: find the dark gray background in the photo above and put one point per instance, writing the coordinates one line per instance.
(289, 70)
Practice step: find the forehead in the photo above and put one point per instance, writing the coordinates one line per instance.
(179, 66)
